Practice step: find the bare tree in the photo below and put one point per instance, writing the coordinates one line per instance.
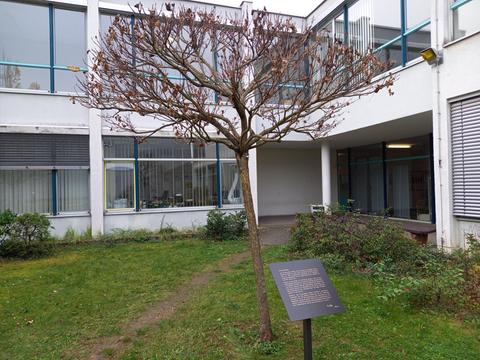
(184, 67)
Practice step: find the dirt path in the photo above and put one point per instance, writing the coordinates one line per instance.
(113, 347)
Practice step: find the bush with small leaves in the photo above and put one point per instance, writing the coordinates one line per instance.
(25, 236)
(222, 226)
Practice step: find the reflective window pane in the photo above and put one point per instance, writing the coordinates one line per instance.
(105, 21)
(367, 179)
(231, 187)
(226, 153)
(119, 181)
(373, 23)
(73, 190)
(118, 147)
(177, 184)
(68, 81)
(466, 19)
(26, 191)
(342, 177)
(418, 41)
(339, 27)
(70, 38)
(417, 11)
(16, 77)
(391, 54)
(24, 33)
(164, 148)
(408, 183)
(205, 151)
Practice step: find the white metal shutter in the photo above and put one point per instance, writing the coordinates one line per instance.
(465, 131)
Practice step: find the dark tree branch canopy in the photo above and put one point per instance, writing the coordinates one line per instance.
(183, 66)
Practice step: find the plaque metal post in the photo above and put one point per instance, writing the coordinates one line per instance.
(307, 339)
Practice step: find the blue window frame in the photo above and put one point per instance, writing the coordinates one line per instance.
(398, 37)
(165, 173)
(41, 49)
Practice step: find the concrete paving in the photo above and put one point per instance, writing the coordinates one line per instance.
(275, 230)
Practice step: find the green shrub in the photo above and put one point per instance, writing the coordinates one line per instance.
(425, 276)
(222, 226)
(7, 219)
(25, 236)
(359, 240)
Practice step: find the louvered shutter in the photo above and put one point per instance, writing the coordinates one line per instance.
(44, 150)
(465, 131)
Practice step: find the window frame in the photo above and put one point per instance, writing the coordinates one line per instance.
(405, 30)
(51, 66)
(218, 160)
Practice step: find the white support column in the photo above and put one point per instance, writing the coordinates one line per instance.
(95, 134)
(441, 32)
(326, 175)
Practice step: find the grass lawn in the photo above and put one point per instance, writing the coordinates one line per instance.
(50, 307)
(220, 323)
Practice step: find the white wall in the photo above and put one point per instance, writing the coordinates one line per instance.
(60, 224)
(289, 180)
(458, 77)
(177, 218)
(47, 111)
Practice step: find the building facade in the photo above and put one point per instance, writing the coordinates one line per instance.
(412, 155)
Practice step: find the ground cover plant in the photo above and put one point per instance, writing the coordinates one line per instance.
(51, 307)
(425, 276)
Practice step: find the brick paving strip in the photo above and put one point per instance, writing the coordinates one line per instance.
(113, 347)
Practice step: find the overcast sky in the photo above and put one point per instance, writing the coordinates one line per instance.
(291, 7)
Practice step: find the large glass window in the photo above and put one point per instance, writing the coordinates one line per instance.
(73, 190)
(231, 187)
(465, 18)
(400, 169)
(408, 178)
(26, 190)
(342, 177)
(26, 44)
(24, 29)
(120, 185)
(367, 179)
(44, 173)
(397, 35)
(24, 39)
(70, 47)
(170, 173)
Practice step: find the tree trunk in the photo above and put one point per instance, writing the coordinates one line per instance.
(255, 248)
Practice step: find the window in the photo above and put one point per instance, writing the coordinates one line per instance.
(44, 173)
(73, 190)
(41, 46)
(165, 173)
(465, 127)
(408, 178)
(120, 184)
(70, 47)
(397, 30)
(26, 190)
(367, 179)
(342, 177)
(22, 24)
(393, 175)
(465, 17)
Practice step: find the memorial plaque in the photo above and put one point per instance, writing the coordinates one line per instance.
(305, 289)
